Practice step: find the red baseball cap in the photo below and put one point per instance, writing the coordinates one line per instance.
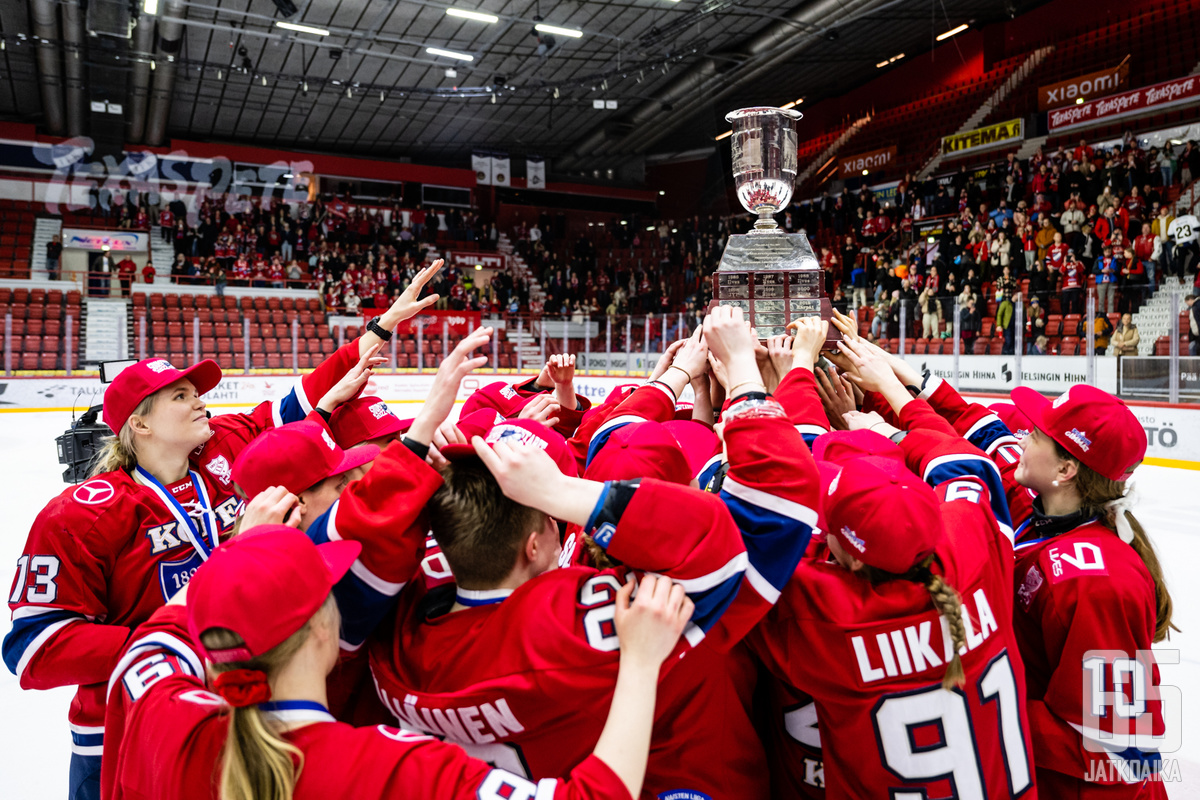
(296, 456)
(138, 381)
(363, 419)
(826, 472)
(521, 431)
(1092, 425)
(842, 447)
(905, 532)
(697, 440)
(478, 423)
(1016, 422)
(503, 397)
(263, 585)
(641, 450)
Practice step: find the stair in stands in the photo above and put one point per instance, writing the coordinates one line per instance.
(162, 254)
(830, 151)
(44, 230)
(1153, 320)
(997, 97)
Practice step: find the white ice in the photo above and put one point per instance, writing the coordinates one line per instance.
(35, 741)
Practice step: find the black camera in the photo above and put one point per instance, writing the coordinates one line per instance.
(80, 445)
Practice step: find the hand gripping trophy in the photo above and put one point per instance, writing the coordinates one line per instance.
(771, 275)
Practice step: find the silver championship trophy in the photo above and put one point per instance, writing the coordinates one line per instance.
(771, 275)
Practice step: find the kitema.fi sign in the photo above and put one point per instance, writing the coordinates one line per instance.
(982, 138)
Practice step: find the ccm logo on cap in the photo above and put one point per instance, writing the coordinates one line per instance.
(853, 539)
(160, 365)
(328, 440)
(1077, 436)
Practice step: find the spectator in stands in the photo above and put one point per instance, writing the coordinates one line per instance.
(1071, 219)
(53, 256)
(1107, 270)
(1086, 244)
(1145, 249)
(858, 282)
(1000, 253)
(1189, 163)
(1006, 283)
(351, 302)
(219, 280)
(1184, 234)
(148, 272)
(126, 274)
(969, 321)
(1101, 329)
(1133, 279)
(99, 281)
(1056, 253)
(1161, 229)
(1040, 284)
(1035, 318)
(1040, 347)
(1106, 200)
(883, 309)
(1045, 237)
(1125, 339)
(1006, 322)
(1193, 325)
(1073, 281)
(931, 313)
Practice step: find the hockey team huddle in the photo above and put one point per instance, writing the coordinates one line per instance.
(788, 569)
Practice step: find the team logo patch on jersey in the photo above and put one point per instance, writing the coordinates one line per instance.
(853, 539)
(513, 434)
(328, 440)
(219, 467)
(1078, 437)
(94, 493)
(161, 365)
(380, 410)
(683, 794)
(1033, 582)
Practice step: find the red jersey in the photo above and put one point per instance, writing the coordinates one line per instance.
(169, 733)
(241, 269)
(1056, 254)
(148, 273)
(1072, 272)
(102, 556)
(522, 680)
(873, 656)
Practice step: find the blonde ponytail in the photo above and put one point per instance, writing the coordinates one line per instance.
(257, 763)
(119, 451)
(945, 600)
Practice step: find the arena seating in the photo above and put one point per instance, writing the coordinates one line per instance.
(16, 238)
(39, 326)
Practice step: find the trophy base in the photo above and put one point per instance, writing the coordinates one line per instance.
(775, 278)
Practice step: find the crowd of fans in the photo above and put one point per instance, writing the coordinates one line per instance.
(1034, 230)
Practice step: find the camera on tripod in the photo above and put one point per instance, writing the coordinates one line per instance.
(80, 445)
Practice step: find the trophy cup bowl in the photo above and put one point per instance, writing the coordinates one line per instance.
(772, 275)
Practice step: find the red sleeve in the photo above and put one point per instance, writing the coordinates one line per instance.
(798, 394)
(59, 592)
(650, 402)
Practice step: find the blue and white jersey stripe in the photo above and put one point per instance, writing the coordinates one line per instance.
(32, 627)
(775, 532)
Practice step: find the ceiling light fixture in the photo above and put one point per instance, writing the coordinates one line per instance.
(478, 16)
(150, 7)
(574, 34)
(291, 26)
(953, 32)
(786, 106)
(891, 60)
(437, 51)
(724, 135)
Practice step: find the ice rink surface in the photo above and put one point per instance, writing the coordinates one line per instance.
(35, 741)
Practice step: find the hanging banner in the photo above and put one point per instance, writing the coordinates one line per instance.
(863, 163)
(1001, 133)
(501, 173)
(1086, 86)
(483, 169)
(1139, 101)
(535, 171)
(117, 241)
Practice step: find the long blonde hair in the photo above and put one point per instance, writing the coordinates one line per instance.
(257, 763)
(119, 451)
(1095, 494)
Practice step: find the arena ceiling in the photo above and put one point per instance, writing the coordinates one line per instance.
(370, 87)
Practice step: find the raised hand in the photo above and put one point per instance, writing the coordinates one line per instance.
(270, 507)
(542, 408)
(561, 369)
(407, 305)
(809, 338)
(867, 368)
(353, 381)
(440, 400)
(858, 421)
(837, 396)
